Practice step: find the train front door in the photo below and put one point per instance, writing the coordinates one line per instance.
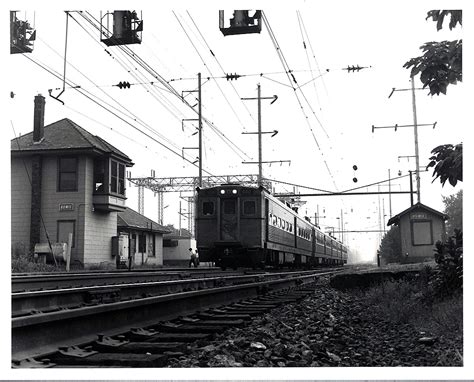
(229, 220)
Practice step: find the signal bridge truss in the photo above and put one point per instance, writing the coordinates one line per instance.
(187, 184)
(190, 183)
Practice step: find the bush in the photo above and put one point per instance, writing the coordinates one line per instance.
(448, 279)
(24, 262)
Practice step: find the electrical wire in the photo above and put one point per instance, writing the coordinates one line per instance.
(291, 79)
(220, 66)
(135, 57)
(209, 70)
(130, 115)
(133, 71)
(306, 53)
(312, 51)
(41, 65)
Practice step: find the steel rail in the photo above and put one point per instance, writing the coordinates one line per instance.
(39, 334)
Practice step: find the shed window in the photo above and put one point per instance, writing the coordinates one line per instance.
(249, 207)
(67, 174)
(422, 233)
(207, 208)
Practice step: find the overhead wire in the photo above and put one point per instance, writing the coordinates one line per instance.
(307, 54)
(126, 112)
(133, 71)
(291, 79)
(209, 70)
(312, 52)
(57, 75)
(156, 75)
(220, 66)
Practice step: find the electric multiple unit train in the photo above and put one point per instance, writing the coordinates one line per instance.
(239, 226)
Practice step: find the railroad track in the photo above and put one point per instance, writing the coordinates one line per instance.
(102, 335)
(37, 282)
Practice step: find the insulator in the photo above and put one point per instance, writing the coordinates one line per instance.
(123, 84)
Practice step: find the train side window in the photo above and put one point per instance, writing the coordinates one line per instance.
(207, 208)
(250, 207)
(229, 207)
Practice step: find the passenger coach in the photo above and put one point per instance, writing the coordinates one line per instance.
(238, 226)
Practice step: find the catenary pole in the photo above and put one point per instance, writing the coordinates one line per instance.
(415, 125)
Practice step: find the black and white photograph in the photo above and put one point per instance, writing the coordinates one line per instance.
(256, 190)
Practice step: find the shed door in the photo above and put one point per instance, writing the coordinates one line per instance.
(229, 216)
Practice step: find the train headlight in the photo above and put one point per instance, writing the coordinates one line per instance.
(234, 192)
(222, 192)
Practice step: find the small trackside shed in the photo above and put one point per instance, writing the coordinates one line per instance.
(142, 237)
(420, 228)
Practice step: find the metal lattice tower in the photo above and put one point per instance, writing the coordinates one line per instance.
(178, 184)
(191, 214)
(190, 183)
(141, 199)
(160, 207)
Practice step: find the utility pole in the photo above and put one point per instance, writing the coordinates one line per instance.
(259, 111)
(200, 129)
(389, 193)
(260, 132)
(199, 119)
(415, 126)
(342, 227)
(416, 139)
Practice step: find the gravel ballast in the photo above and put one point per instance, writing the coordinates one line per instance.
(327, 328)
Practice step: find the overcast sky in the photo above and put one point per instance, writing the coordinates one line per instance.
(323, 141)
(323, 137)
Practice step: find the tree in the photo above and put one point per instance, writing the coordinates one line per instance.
(453, 208)
(441, 62)
(447, 163)
(439, 66)
(390, 247)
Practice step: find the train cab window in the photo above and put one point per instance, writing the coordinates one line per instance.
(229, 207)
(207, 208)
(250, 207)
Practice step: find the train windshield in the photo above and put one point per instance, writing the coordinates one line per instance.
(229, 207)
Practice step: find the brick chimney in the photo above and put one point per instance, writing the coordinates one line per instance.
(38, 121)
(36, 173)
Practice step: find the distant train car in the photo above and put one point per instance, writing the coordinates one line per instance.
(238, 226)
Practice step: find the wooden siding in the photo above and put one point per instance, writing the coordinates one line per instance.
(20, 202)
(437, 228)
